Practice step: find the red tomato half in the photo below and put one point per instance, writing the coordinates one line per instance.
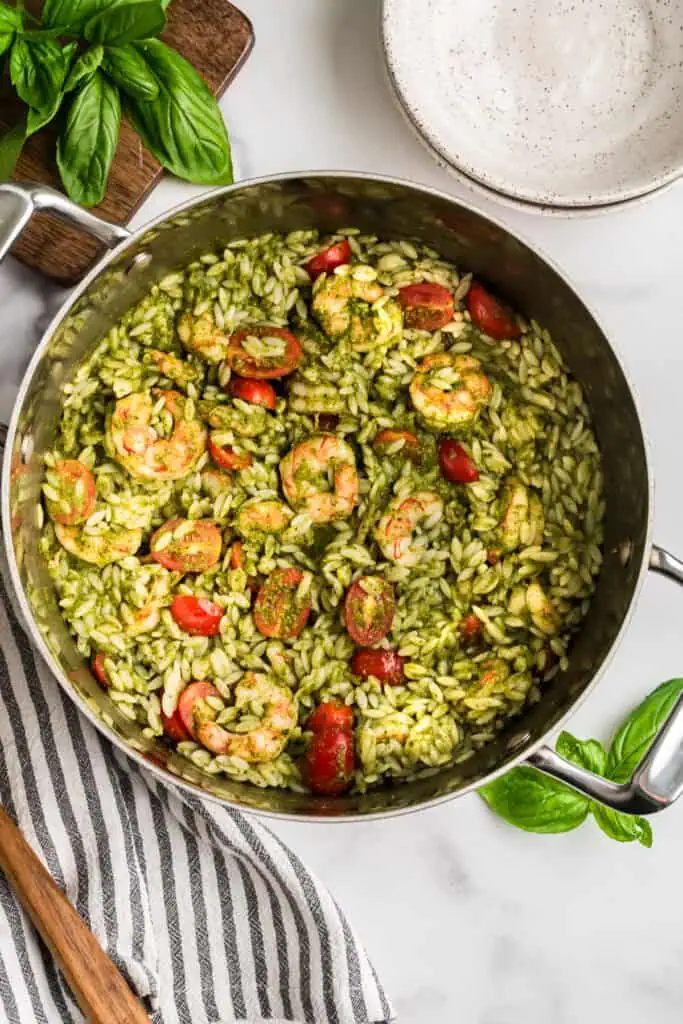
(325, 261)
(470, 627)
(369, 609)
(387, 666)
(246, 365)
(426, 306)
(226, 458)
(197, 549)
(455, 463)
(99, 670)
(77, 490)
(330, 762)
(278, 612)
(489, 315)
(256, 392)
(196, 615)
(331, 715)
(174, 727)
(189, 697)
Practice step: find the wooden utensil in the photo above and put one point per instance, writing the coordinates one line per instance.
(102, 993)
(216, 38)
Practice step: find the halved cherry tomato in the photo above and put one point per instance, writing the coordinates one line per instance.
(174, 727)
(189, 697)
(369, 609)
(387, 666)
(99, 671)
(186, 545)
(426, 306)
(455, 463)
(226, 458)
(77, 489)
(470, 627)
(264, 367)
(237, 555)
(331, 715)
(196, 615)
(256, 392)
(278, 611)
(489, 315)
(325, 261)
(330, 762)
(411, 446)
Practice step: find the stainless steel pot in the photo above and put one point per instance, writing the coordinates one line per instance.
(392, 209)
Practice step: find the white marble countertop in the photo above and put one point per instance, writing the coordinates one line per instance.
(466, 918)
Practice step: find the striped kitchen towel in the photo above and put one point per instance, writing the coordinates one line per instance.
(206, 913)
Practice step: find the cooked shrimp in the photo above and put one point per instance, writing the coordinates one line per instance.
(134, 443)
(201, 335)
(266, 741)
(542, 614)
(172, 367)
(522, 521)
(262, 517)
(394, 532)
(98, 548)
(307, 469)
(348, 306)
(143, 620)
(449, 390)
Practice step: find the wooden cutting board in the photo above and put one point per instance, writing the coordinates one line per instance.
(216, 38)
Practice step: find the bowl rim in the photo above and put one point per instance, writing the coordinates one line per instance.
(478, 181)
(35, 636)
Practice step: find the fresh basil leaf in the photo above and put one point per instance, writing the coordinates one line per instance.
(183, 128)
(126, 22)
(535, 802)
(625, 828)
(125, 66)
(634, 738)
(87, 146)
(588, 754)
(37, 70)
(10, 22)
(85, 66)
(71, 14)
(11, 145)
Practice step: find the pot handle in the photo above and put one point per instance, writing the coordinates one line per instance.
(658, 779)
(19, 202)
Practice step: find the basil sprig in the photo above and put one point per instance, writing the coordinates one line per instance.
(84, 62)
(526, 798)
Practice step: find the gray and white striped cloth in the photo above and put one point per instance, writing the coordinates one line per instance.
(209, 917)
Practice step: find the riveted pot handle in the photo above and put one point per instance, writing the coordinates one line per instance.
(19, 202)
(658, 779)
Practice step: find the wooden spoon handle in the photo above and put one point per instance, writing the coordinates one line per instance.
(102, 993)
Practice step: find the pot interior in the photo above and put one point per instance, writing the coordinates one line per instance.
(391, 210)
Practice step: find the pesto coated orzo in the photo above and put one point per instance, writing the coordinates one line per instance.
(323, 512)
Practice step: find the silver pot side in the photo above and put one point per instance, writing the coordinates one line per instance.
(393, 209)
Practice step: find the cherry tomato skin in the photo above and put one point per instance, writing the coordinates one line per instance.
(455, 463)
(226, 458)
(330, 762)
(369, 608)
(411, 446)
(470, 627)
(426, 306)
(277, 612)
(331, 715)
(489, 315)
(99, 670)
(246, 365)
(78, 488)
(196, 615)
(196, 551)
(188, 698)
(387, 666)
(256, 392)
(174, 727)
(327, 260)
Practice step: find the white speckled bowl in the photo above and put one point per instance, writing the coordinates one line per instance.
(567, 104)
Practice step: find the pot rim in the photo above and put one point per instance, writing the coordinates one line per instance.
(27, 614)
